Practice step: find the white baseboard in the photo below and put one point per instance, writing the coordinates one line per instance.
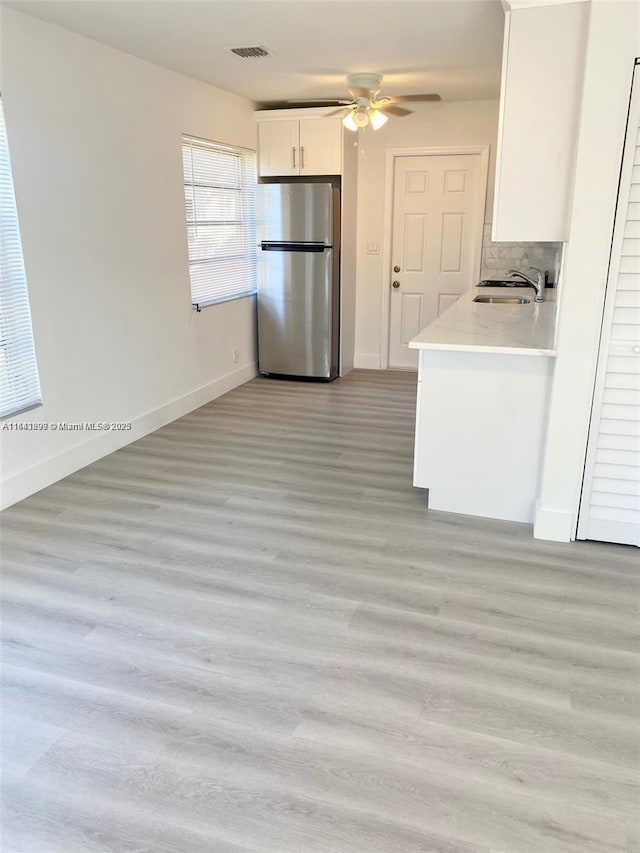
(46, 473)
(554, 525)
(367, 361)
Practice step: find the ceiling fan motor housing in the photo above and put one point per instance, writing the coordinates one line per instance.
(365, 80)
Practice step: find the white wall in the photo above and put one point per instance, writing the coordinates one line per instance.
(438, 124)
(94, 136)
(613, 44)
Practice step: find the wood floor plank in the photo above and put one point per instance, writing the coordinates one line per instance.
(603, 737)
(59, 820)
(22, 746)
(579, 666)
(490, 761)
(240, 801)
(246, 633)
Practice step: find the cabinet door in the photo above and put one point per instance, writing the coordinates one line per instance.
(278, 148)
(321, 146)
(543, 60)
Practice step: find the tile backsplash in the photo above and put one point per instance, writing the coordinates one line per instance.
(498, 258)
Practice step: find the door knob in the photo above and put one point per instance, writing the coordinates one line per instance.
(396, 269)
(395, 284)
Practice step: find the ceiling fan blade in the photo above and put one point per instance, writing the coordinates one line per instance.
(329, 101)
(393, 110)
(414, 98)
(338, 112)
(301, 103)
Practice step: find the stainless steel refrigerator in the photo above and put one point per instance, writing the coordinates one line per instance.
(298, 280)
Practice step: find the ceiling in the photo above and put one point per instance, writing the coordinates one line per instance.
(452, 47)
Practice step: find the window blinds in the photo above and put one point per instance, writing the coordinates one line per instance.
(219, 192)
(19, 384)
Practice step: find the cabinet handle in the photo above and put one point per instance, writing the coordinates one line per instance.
(293, 155)
(302, 156)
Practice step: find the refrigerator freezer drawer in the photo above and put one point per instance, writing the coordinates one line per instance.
(297, 314)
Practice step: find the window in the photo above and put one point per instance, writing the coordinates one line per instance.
(219, 192)
(19, 383)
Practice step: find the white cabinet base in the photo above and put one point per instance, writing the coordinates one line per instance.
(480, 424)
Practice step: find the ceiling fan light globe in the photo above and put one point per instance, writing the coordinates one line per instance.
(360, 118)
(378, 119)
(349, 123)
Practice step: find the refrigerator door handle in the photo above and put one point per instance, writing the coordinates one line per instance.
(283, 246)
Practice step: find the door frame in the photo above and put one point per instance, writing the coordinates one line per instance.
(389, 177)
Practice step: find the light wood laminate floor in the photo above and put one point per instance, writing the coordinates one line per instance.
(245, 633)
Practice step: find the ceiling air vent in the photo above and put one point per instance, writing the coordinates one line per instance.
(250, 52)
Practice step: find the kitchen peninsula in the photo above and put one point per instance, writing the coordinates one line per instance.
(484, 378)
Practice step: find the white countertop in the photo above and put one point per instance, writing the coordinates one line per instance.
(470, 326)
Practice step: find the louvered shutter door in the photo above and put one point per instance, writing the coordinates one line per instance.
(19, 383)
(610, 506)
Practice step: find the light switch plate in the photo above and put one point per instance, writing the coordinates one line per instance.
(373, 247)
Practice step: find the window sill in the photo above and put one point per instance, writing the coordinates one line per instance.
(198, 306)
(15, 412)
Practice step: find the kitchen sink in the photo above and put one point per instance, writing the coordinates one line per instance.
(503, 300)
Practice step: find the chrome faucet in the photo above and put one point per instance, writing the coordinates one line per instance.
(536, 284)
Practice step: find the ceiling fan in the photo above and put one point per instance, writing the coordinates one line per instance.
(366, 107)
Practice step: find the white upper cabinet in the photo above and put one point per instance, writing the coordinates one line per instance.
(320, 146)
(279, 143)
(542, 71)
(299, 147)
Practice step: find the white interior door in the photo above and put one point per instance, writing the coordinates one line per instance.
(610, 505)
(438, 208)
